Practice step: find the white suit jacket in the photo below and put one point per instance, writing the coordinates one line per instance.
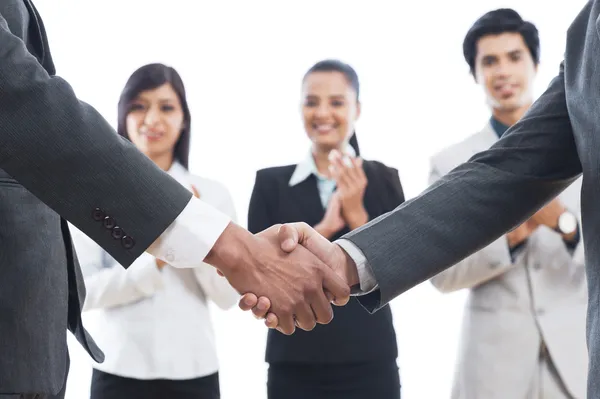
(514, 305)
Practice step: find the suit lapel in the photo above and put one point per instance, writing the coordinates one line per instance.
(305, 196)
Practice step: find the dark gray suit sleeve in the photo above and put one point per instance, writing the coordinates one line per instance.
(68, 156)
(474, 204)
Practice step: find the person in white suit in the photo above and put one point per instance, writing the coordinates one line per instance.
(523, 333)
(152, 320)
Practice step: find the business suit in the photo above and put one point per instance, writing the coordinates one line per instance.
(60, 160)
(556, 141)
(516, 303)
(356, 351)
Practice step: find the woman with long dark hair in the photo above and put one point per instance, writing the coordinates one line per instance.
(152, 320)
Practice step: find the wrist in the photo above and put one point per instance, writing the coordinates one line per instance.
(516, 238)
(566, 225)
(231, 250)
(350, 270)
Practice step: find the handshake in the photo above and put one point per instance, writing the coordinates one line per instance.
(288, 274)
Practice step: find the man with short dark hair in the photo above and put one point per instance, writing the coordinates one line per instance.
(528, 284)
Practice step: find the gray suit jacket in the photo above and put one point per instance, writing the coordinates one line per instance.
(498, 189)
(60, 160)
(513, 304)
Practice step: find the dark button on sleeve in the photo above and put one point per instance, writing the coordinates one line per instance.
(98, 214)
(127, 242)
(109, 222)
(117, 233)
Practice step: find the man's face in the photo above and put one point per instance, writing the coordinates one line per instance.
(505, 69)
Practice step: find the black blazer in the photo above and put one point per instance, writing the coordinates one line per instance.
(354, 335)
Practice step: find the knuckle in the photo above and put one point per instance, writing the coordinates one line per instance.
(346, 291)
(310, 289)
(285, 310)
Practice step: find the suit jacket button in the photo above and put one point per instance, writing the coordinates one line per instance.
(127, 242)
(109, 222)
(117, 233)
(98, 214)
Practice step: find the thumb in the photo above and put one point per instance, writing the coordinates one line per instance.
(334, 284)
(325, 251)
(310, 239)
(288, 237)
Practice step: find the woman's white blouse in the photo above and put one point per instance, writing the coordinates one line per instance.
(152, 323)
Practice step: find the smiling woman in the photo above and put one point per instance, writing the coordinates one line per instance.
(152, 304)
(154, 114)
(335, 191)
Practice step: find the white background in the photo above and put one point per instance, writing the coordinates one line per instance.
(242, 63)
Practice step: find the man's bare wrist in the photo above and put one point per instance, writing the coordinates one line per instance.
(350, 270)
(231, 250)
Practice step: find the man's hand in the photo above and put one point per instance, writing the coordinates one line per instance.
(521, 233)
(549, 214)
(290, 235)
(294, 281)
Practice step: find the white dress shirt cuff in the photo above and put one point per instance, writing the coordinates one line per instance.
(366, 278)
(145, 275)
(187, 241)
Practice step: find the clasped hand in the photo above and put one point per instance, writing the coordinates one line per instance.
(296, 273)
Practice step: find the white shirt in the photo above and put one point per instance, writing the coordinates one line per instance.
(326, 186)
(154, 323)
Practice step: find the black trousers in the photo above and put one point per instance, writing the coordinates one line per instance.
(109, 386)
(380, 380)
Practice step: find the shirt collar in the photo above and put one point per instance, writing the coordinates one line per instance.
(499, 127)
(308, 167)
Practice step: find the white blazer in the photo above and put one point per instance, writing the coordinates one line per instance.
(151, 323)
(513, 305)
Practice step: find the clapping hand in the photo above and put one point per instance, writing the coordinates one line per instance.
(351, 184)
(332, 221)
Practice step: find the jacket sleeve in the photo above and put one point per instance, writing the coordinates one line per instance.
(67, 155)
(484, 265)
(475, 204)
